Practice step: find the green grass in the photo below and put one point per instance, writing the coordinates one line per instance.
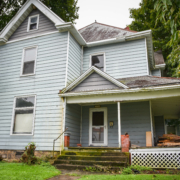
(131, 177)
(19, 171)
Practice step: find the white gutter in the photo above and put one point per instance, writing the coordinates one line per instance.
(120, 91)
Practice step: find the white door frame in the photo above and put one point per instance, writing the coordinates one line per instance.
(91, 110)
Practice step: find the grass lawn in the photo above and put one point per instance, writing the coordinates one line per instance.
(19, 171)
(131, 177)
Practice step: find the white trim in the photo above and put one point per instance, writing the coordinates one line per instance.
(64, 121)
(67, 60)
(96, 54)
(91, 110)
(34, 114)
(81, 127)
(160, 66)
(33, 36)
(119, 123)
(29, 20)
(148, 72)
(89, 72)
(152, 130)
(82, 54)
(22, 61)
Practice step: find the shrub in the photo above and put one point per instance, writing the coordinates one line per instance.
(127, 171)
(140, 168)
(28, 156)
(1, 158)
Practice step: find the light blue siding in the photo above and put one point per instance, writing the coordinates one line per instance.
(159, 126)
(46, 83)
(74, 60)
(95, 82)
(73, 118)
(126, 59)
(156, 72)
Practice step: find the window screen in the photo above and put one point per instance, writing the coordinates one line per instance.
(98, 61)
(23, 115)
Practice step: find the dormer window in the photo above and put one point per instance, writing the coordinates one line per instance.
(33, 23)
(98, 61)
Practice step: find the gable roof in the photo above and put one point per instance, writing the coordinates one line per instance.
(91, 70)
(98, 31)
(23, 13)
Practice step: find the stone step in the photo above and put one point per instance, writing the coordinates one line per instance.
(93, 153)
(95, 158)
(79, 167)
(91, 162)
(99, 149)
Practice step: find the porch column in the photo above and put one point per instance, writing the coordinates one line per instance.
(119, 123)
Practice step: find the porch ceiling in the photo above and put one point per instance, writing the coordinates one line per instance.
(167, 107)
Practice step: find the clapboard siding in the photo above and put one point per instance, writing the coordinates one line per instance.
(159, 126)
(156, 72)
(73, 118)
(45, 84)
(95, 82)
(112, 132)
(45, 26)
(135, 120)
(126, 59)
(74, 60)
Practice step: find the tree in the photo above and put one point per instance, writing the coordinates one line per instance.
(145, 18)
(65, 9)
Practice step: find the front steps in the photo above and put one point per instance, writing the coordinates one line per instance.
(83, 158)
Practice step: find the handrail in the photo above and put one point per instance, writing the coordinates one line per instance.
(58, 138)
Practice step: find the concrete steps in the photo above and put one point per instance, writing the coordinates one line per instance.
(83, 158)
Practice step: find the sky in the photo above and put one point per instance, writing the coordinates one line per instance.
(111, 12)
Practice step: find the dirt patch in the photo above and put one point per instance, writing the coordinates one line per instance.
(65, 177)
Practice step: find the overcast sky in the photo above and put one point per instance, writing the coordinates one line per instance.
(111, 12)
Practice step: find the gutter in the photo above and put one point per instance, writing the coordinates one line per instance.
(117, 91)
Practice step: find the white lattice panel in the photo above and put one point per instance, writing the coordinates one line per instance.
(158, 159)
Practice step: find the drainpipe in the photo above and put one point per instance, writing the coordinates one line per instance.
(81, 127)
(119, 123)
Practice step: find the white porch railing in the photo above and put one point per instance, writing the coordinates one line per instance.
(156, 157)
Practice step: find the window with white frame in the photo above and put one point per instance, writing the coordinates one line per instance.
(33, 23)
(98, 61)
(29, 59)
(23, 117)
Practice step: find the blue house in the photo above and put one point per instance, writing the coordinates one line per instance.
(100, 82)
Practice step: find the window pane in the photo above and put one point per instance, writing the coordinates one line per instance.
(30, 54)
(25, 102)
(98, 61)
(28, 68)
(171, 130)
(98, 135)
(23, 122)
(34, 20)
(33, 26)
(98, 119)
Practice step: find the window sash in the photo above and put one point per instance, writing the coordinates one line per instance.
(102, 62)
(31, 23)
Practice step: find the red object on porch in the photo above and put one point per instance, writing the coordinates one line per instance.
(125, 143)
(66, 141)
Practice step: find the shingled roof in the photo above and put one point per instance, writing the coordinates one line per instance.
(98, 31)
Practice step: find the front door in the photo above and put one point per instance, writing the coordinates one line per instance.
(98, 127)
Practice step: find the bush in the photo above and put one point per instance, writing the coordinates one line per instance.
(140, 168)
(127, 171)
(1, 158)
(28, 156)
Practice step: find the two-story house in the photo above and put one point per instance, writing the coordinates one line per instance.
(101, 82)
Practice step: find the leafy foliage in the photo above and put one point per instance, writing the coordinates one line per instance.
(127, 170)
(66, 9)
(28, 156)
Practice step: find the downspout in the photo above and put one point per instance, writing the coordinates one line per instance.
(81, 127)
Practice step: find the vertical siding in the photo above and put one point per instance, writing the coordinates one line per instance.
(73, 118)
(126, 59)
(74, 60)
(159, 126)
(46, 83)
(156, 72)
(112, 132)
(135, 120)
(45, 26)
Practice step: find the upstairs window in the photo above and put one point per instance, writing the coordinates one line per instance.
(98, 61)
(33, 23)
(23, 117)
(29, 59)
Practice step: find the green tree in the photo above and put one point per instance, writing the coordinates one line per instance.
(146, 17)
(65, 9)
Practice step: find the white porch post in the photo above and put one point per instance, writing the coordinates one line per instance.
(119, 123)
(151, 118)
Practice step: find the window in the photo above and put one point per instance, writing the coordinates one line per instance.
(172, 126)
(98, 61)
(29, 58)
(23, 117)
(33, 23)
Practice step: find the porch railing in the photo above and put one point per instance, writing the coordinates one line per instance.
(57, 139)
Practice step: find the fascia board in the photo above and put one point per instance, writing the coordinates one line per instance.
(122, 91)
(45, 10)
